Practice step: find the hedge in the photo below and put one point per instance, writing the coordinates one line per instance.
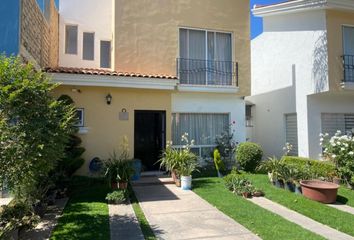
(318, 168)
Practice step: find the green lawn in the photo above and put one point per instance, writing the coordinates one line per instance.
(346, 196)
(260, 221)
(334, 218)
(86, 215)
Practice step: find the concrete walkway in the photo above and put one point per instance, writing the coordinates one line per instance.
(177, 214)
(342, 207)
(44, 229)
(305, 222)
(123, 223)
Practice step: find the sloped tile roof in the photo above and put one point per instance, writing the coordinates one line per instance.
(104, 72)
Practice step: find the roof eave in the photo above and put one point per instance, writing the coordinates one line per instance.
(301, 6)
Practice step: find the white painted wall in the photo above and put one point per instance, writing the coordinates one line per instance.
(214, 103)
(90, 16)
(289, 62)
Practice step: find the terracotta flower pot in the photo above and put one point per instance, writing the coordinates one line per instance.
(178, 182)
(258, 194)
(246, 194)
(321, 191)
(174, 175)
(114, 185)
(122, 185)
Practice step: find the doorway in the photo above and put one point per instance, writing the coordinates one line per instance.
(149, 137)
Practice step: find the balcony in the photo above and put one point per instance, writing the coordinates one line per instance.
(207, 74)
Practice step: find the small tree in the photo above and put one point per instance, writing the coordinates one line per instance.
(34, 127)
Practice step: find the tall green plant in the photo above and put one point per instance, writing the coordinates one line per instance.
(34, 127)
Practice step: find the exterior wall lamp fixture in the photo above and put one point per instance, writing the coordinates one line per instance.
(109, 99)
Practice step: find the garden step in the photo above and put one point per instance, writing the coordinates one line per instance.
(342, 207)
(123, 223)
(153, 180)
(303, 221)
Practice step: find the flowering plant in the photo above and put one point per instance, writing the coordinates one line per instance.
(340, 149)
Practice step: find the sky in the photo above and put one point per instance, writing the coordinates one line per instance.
(256, 23)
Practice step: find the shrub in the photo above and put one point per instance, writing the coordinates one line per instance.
(34, 127)
(118, 196)
(16, 215)
(249, 155)
(310, 168)
(340, 150)
(238, 184)
(219, 164)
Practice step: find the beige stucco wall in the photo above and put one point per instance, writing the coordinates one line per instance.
(335, 22)
(105, 130)
(146, 33)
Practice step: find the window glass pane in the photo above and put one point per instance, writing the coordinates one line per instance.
(332, 122)
(348, 40)
(105, 54)
(71, 39)
(291, 132)
(88, 46)
(80, 117)
(201, 127)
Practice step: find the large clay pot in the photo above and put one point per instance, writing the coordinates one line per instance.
(122, 185)
(321, 191)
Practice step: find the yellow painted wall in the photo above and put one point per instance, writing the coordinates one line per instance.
(105, 129)
(335, 21)
(147, 35)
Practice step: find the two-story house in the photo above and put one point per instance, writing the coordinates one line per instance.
(302, 75)
(153, 70)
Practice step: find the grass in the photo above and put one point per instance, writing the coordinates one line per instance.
(332, 217)
(346, 196)
(144, 224)
(85, 217)
(260, 221)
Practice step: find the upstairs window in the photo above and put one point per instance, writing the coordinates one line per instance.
(105, 54)
(348, 53)
(80, 117)
(88, 46)
(71, 39)
(205, 57)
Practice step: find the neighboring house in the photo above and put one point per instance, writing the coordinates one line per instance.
(152, 70)
(302, 75)
(29, 29)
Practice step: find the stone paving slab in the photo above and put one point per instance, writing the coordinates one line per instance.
(303, 221)
(123, 223)
(342, 207)
(44, 229)
(177, 214)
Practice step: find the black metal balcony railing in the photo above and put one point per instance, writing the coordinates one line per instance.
(348, 66)
(206, 72)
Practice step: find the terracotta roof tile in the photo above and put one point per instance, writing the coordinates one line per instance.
(104, 72)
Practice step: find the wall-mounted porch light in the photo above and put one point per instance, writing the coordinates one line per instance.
(109, 99)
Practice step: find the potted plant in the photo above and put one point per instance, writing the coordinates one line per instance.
(188, 164)
(111, 166)
(169, 161)
(257, 192)
(117, 197)
(124, 173)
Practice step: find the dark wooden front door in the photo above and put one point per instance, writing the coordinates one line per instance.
(149, 137)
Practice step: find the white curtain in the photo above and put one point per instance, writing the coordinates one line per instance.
(201, 127)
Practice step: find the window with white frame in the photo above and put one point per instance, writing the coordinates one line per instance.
(291, 132)
(203, 128)
(71, 39)
(332, 122)
(80, 117)
(88, 46)
(105, 54)
(205, 57)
